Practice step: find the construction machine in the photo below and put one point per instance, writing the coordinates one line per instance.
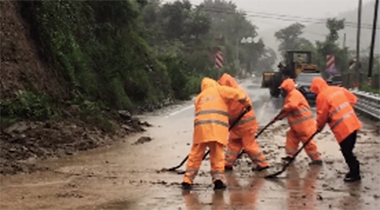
(296, 62)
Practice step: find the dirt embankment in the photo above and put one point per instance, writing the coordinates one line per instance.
(22, 68)
(29, 140)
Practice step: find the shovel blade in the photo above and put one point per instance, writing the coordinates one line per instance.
(181, 172)
(272, 176)
(173, 168)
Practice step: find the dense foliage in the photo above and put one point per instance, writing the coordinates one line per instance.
(128, 54)
(131, 52)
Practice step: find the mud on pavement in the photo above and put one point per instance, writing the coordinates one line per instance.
(24, 141)
(126, 176)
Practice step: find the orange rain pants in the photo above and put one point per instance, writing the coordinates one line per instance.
(301, 120)
(292, 142)
(195, 159)
(242, 136)
(250, 146)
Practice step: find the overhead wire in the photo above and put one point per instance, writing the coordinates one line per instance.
(282, 17)
(287, 18)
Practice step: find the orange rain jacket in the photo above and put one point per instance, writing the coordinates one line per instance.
(248, 122)
(297, 110)
(335, 106)
(211, 111)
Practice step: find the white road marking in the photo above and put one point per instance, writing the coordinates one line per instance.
(179, 111)
(261, 112)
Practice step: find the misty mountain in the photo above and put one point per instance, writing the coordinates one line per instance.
(318, 31)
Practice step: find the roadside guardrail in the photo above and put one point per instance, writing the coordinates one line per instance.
(368, 103)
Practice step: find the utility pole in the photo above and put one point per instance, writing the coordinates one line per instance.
(357, 77)
(344, 41)
(373, 38)
(237, 54)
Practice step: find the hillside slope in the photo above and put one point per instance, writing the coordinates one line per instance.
(65, 132)
(21, 65)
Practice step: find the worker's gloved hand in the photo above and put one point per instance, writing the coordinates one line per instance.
(276, 119)
(279, 116)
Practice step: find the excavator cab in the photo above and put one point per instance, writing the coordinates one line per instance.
(295, 63)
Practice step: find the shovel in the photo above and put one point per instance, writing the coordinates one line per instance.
(187, 157)
(285, 166)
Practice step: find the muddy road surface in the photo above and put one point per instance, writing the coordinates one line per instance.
(127, 174)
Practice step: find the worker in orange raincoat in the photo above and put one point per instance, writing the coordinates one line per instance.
(211, 129)
(302, 123)
(335, 107)
(242, 136)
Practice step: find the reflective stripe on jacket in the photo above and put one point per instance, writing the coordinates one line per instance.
(297, 110)
(211, 111)
(335, 107)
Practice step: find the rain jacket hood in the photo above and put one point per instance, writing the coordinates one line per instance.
(288, 85)
(208, 83)
(318, 85)
(228, 80)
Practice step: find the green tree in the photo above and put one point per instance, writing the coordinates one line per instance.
(290, 39)
(267, 61)
(231, 26)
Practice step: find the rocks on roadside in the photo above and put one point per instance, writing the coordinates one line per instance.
(142, 140)
(30, 139)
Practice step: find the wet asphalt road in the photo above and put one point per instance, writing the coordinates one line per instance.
(126, 176)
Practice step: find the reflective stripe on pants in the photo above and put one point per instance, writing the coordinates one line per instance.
(195, 160)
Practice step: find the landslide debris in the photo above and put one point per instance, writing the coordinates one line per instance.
(40, 140)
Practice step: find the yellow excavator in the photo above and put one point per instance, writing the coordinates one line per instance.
(296, 62)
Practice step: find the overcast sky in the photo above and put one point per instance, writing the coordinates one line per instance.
(302, 8)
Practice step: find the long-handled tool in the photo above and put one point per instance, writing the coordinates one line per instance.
(231, 126)
(285, 166)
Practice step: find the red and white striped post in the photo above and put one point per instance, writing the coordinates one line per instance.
(219, 59)
(330, 61)
(330, 65)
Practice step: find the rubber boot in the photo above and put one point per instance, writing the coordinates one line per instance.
(228, 168)
(219, 185)
(287, 158)
(353, 175)
(186, 186)
(316, 163)
(259, 168)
